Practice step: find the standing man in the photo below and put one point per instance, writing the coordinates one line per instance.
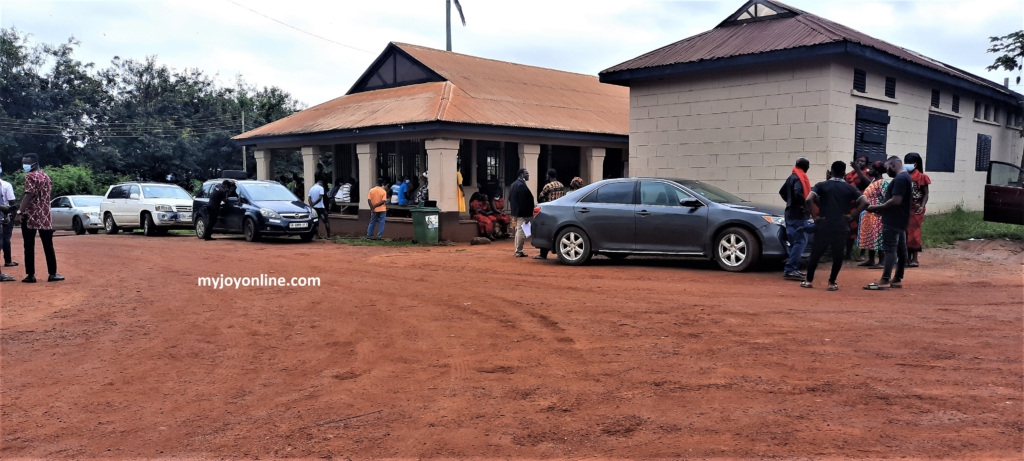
(895, 213)
(35, 211)
(218, 196)
(834, 199)
(7, 200)
(377, 198)
(795, 192)
(553, 190)
(316, 200)
(521, 200)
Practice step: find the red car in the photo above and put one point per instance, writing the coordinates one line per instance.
(1004, 194)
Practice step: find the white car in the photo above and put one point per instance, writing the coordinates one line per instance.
(153, 207)
(80, 213)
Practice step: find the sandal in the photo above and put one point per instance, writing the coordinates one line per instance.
(806, 284)
(832, 287)
(914, 264)
(875, 287)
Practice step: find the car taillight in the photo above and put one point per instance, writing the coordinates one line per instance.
(536, 210)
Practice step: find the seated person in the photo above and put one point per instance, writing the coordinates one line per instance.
(501, 217)
(423, 192)
(479, 210)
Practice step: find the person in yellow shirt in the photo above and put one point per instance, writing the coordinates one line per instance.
(377, 198)
(462, 195)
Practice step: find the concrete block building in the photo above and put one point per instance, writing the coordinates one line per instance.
(417, 109)
(738, 104)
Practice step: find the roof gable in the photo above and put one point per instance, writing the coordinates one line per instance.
(394, 67)
(759, 10)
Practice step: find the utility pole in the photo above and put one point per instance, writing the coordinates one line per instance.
(448, 20)
(243, 145)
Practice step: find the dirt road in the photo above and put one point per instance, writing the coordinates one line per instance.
(455, 352)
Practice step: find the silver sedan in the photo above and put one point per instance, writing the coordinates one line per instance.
(80, 213)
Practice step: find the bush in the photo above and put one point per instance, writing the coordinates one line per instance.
(943, 230)
(70, 180)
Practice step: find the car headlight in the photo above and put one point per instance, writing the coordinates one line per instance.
(777, 220)
(166, 208)
(269, 214)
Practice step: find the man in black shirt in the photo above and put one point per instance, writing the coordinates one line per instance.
(834, 199)
(794, 192)
(895, 212)
(218, 196)
(521, 201)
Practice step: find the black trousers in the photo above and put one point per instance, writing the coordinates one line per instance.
(7, 232)
(214, 213)
(46, 236)
(823, 240)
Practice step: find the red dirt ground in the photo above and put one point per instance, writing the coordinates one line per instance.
(458, 352)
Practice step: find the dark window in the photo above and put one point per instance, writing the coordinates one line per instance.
(871, 128)
(941, 150)
(465, 161)
(935, 98)
(566, 161)
(511, 162)
(995, 114)
(488, 162)
(988, 112)
(978, 109)
(860, 80)
(613, 164)
(984, 153)
(114, 192)
(661, 194)
(956, 103)
(615, 193)
(890, 87)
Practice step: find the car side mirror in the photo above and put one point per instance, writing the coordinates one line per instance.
(134, 196)
(690, 203)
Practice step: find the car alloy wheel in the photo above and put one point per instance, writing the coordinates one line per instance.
(201, 228)
(571, 246)
(732, 249)
(109, 225)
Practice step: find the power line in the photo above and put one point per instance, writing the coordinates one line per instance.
(300, 30)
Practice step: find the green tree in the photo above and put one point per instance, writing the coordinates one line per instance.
(1010, 49)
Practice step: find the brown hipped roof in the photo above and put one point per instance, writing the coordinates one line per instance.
(476, 91)
(791, 29)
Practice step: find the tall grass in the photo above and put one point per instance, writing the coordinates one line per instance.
(943, 230)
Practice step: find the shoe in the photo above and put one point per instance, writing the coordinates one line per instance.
(10, 264)
(55, 278)
(29, 279)
(540, 257)
(793, 276)
(6, 278)
(208, 239)
(520, 254)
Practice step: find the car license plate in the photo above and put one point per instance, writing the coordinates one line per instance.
(298, 225)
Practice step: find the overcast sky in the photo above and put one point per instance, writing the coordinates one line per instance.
(223, 38)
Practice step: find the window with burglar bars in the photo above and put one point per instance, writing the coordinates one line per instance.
(489, 162)
(890, 87)
(956, 103)
(860, 80)
(984, 153)
(935, 98)
(400, 158)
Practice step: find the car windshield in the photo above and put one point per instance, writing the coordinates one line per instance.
(711, 192)
(88, 201)
(165, 192)
(268, 191)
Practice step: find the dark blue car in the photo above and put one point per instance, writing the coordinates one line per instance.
(259, 208)
(656, 216)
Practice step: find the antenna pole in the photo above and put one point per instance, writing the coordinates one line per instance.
(448, 21)
(243, 146)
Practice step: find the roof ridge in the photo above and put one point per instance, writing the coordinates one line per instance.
(446, 95)
(400, 44)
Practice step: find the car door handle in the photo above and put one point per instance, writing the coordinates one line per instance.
(584, 210)
(643, 213)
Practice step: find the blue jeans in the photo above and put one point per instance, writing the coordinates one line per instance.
(375, 218)
(797, 244)
(894, 243)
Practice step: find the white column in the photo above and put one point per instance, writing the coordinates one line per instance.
(442, 167)
(593, 161)
(264, 165)
(528, 154)
(310, 155)
(367, 154)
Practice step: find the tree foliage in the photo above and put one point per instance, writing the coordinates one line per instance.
(134, 118)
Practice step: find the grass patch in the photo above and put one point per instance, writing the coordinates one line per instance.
(181, 232)
(362, 242)
(943, 230)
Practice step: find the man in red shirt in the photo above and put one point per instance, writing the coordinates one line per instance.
(35, 217)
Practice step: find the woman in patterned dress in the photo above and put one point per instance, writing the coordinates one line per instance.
(870, 233)
(921, 184)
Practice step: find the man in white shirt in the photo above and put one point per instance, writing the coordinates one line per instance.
(7, 226)
(316, 200)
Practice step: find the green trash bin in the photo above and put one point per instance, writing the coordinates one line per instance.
(426, 223)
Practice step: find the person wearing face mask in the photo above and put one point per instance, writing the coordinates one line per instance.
(913, 164)
(35, 218)
(6, 224)
(895, 212)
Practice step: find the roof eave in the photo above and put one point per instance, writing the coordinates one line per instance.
(627, 76)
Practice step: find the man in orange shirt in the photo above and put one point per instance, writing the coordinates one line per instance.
(377, 198)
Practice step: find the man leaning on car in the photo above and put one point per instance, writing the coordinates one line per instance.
(218, 196)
